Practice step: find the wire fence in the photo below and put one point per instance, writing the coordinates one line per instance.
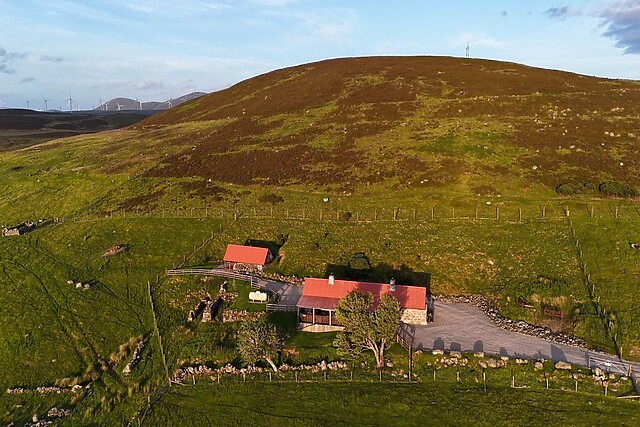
(481, 378)
(508, 213)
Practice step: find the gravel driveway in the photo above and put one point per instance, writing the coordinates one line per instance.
(464, 327)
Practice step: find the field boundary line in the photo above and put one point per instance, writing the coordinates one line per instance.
(155, 326)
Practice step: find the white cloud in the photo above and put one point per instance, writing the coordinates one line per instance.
(562, 12)
(7, 59)
(172, 8)
(622, 21)
(49, 58)
(150, 85)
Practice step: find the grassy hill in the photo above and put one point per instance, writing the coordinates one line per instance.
(409, 122)
(413, 166)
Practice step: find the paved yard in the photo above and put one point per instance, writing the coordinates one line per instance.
(289, 294)
(464, 327)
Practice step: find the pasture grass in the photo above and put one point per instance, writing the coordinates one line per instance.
(371, 403)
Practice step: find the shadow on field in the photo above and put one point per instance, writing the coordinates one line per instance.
(273, 246)
(359, 268)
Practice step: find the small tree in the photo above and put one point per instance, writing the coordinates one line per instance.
(259, 340)
(366, 329)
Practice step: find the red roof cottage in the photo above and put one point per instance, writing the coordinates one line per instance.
(316, 307)
(239, 257)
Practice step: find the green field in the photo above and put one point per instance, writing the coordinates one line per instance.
(387, 404)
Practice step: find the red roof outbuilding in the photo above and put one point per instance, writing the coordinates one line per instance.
(246, 255)
(318, 293)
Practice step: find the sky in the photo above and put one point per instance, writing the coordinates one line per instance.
(155, 50)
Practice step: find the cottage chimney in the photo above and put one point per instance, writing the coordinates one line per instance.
(332, 279)
(392, 285)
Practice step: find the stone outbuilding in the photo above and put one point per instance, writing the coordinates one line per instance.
(247, 258)
(316, 307)
(19, 229)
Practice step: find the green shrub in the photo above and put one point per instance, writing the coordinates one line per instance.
(618, 189)
(605, 188)
(570, 188)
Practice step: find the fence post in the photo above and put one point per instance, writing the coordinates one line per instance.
(616, 212)
(453, 213)
(433, 212)
(546, 380)
(497, 212)
(520, 214)
(414, 214)
(544, 212)
(476, 211)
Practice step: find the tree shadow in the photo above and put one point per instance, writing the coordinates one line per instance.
(272, 245)
(557, 354)
(359, 268)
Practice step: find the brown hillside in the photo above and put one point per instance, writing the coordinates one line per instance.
(411, 121)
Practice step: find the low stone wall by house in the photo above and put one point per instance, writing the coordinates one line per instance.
(414, 316)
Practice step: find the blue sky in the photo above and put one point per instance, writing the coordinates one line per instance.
(158, 49)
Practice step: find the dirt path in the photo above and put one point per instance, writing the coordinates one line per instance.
(464, 327)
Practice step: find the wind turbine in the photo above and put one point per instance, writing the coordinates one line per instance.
(119, 106)
(45, 104)
(100, 105)
(1, 105)
(27, 104)
(139, 103)
(70, 103)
